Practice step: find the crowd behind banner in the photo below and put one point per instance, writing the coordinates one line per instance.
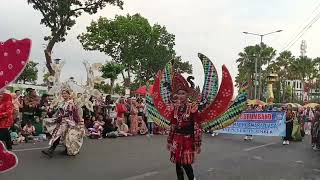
(299, 122)
(110, 118)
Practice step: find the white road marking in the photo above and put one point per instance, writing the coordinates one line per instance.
(257, 157)
(316, 170)
(142, 176)
(257, 147)
(29, 149)
(299, 162)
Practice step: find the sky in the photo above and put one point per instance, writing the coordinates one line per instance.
(212, 27)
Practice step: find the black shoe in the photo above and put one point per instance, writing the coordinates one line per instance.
(65, 152)
(48, 152)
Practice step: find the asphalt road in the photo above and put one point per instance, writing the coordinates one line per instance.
(224, 157)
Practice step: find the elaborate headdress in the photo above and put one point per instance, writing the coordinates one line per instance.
(216, 108)
(179, 83)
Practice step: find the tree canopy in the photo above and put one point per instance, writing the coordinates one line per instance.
(60, 16)
(246, 63)
(131, 41)
(111, 71)
(285, 65)
(29, 74)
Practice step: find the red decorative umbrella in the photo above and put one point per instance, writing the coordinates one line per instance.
(143, 90)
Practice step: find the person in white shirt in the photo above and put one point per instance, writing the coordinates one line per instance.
(28, 131)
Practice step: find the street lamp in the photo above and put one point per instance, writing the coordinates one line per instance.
(256, 63)
(56, 61)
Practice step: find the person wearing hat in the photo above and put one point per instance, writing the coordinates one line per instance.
(6, 118)
(184, 140)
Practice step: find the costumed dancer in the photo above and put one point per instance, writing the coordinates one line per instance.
(188, 112)
(69, 126)
(6, 118)
(184, 139)
(14, 55)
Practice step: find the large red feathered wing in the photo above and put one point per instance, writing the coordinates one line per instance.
(14, 56)
(222, 100)
(166, 110)
(8, 159)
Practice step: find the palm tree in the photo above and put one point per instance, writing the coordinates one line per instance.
(303, 68)
(246, 63)
(246, 68)
(282, 66)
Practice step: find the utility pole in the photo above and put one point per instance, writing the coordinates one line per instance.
(258, 82)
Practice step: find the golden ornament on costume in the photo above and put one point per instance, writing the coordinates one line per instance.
(51, 79)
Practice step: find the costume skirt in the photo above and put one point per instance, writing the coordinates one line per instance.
(182, 149)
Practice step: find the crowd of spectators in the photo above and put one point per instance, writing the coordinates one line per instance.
(110, 118)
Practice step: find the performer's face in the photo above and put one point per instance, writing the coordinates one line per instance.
(18, 93)
(181, 96)
(65, 95)
(33, 93)
(174, 98)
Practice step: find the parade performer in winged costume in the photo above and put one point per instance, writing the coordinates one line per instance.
(178, 104)
(69, 127)
(14, 55)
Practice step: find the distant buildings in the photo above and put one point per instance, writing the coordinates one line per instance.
(298, 91)
(22, 87)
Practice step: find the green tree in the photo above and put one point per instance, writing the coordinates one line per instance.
(46, 78)
(180, 66)
(60, 16)
(131, 41)
(246, 64)
(304, 68)
(281, 66)
(29, 74)
(149, 69)
(111, 71)
(118, 89)
(103, 87)
(288, 94)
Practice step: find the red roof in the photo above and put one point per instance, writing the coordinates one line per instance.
(143, 90)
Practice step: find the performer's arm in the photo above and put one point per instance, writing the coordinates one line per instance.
(197, 132)
(74, 113)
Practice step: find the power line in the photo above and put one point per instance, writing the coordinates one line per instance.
(301, 27)
(305, 28)
(315, 20)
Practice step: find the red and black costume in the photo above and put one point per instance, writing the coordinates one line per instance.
(188, 112)
(184, 140)
(6, 119)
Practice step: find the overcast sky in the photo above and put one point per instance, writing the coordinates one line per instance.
(209, 26)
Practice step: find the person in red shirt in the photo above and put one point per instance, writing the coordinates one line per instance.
(121, 108)
(6, 118)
